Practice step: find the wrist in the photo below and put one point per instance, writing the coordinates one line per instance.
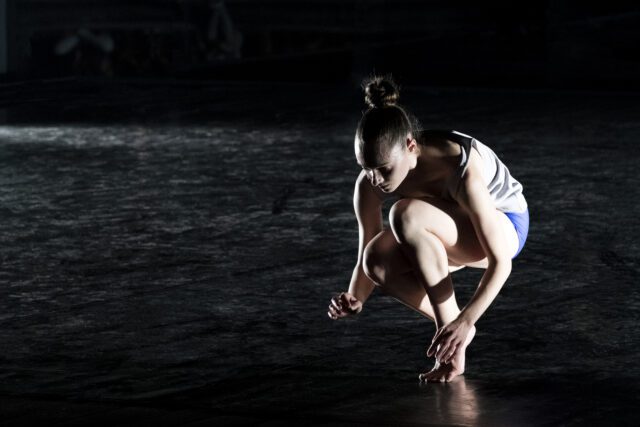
(465, 318)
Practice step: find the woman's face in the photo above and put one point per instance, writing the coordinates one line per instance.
(385, 170)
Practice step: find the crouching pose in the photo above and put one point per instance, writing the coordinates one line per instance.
(457, 205)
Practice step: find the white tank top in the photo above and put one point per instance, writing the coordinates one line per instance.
(505, 190)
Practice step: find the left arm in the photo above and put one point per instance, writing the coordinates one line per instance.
(474, 198)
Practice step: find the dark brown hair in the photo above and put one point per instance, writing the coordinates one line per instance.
(385, 122)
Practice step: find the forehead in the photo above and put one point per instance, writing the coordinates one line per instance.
(372, 158)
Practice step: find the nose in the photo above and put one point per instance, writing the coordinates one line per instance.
(375, 181)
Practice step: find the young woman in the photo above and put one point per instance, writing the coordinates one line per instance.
(458, 206)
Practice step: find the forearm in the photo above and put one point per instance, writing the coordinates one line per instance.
(361, 286)
(492, 281)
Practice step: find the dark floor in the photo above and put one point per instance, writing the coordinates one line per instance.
(169, 250)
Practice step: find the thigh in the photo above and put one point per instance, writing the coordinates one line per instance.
(452, 225)
(386, 252)
(387, 248)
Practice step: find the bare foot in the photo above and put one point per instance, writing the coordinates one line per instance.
(446, 372)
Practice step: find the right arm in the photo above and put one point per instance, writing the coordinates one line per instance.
(367, 204)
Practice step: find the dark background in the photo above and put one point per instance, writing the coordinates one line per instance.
(531, 44)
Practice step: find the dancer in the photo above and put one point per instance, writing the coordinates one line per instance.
(458, 206)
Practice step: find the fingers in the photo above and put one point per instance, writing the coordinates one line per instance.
(343, 305)
(443, 339)
(448, 351)
(445, 349)
(335, 313)
(434, 342)
(451, 355)
(332, 314)
(336, 309)
(431, 348)
(442, 350)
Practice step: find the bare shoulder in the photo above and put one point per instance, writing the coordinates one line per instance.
(472, 180)
(474, 168)
(438, 145)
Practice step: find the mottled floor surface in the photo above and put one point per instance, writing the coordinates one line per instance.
(169, 250)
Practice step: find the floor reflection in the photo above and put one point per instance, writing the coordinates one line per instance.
(455, 402)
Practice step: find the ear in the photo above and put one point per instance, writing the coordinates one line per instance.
(411, 142)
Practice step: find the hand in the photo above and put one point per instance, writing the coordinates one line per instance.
(450, 337)
(343, 305)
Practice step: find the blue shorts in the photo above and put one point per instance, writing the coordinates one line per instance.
(521, 223)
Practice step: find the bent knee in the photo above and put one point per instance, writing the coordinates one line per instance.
(405, 216)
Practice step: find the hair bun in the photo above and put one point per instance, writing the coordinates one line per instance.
(380, 91)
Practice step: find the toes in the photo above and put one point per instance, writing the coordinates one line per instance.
(438, 376)
(423, 376)
(435, 378)
(426, 376)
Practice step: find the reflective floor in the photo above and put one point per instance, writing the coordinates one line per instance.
(169, 250)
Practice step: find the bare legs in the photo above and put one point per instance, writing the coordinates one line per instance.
(410, 290)
(406, 289)
(413, 265)
(427, 256)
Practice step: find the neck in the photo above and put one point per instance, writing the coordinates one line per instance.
(429, 166)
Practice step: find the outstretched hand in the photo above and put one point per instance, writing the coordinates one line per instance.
(450, 338)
